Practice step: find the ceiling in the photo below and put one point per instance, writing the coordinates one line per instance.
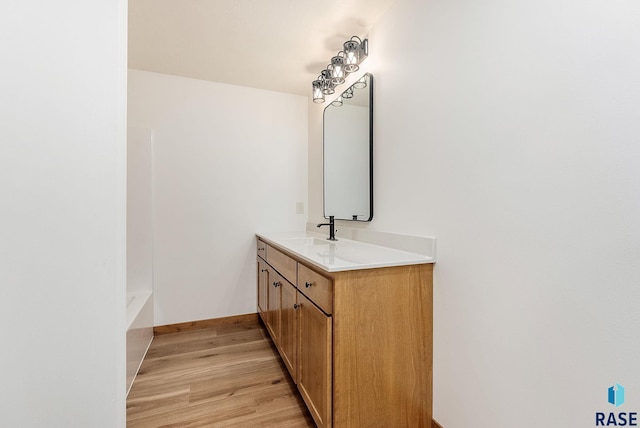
(278, 45)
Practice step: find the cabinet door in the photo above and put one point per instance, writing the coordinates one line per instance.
(263, 288)
(289, 328)
(314, 360)
(273, 305)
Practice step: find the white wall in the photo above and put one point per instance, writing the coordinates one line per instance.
(228, 161)
(510, 131)
(62, 212)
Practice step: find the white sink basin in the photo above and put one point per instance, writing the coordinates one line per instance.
(308, 241)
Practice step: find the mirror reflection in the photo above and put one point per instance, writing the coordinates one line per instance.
(348, 154)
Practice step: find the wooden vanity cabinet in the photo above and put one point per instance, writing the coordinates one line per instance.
(357, 343)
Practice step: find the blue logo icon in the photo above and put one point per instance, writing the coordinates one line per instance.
(616, 395)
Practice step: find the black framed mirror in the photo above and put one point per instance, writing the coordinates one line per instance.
(348, 153)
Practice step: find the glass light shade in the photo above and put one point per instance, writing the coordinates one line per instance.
(318, 96)
(339, 72)
(328, 87)
(351, 56)
(337, 102)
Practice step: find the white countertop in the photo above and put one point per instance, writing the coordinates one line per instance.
(341, 255)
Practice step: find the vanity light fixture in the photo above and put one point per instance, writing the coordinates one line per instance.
(343, 63)
(355, 51)
(337, 102)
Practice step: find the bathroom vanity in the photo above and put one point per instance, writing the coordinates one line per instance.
(353, 324)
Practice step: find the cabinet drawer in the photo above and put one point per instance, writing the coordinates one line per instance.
(262, 249)
(316, 287)
(282, 263)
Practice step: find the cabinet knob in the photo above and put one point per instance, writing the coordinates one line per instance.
(296, 306)
(263, 270)
(276, 284)
(308, 284)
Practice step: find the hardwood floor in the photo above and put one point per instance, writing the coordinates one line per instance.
(224, 376)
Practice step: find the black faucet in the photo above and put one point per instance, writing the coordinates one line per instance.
(332, 228)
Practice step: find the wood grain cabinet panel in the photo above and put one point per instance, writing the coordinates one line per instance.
(382, 336)
(274, 304)
(289, 328)
(262, 249)
(263, 288)
(284, 264)
(357, 343)
(314, 363)
(316, 287)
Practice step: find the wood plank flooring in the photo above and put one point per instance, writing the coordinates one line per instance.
(224, 376)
